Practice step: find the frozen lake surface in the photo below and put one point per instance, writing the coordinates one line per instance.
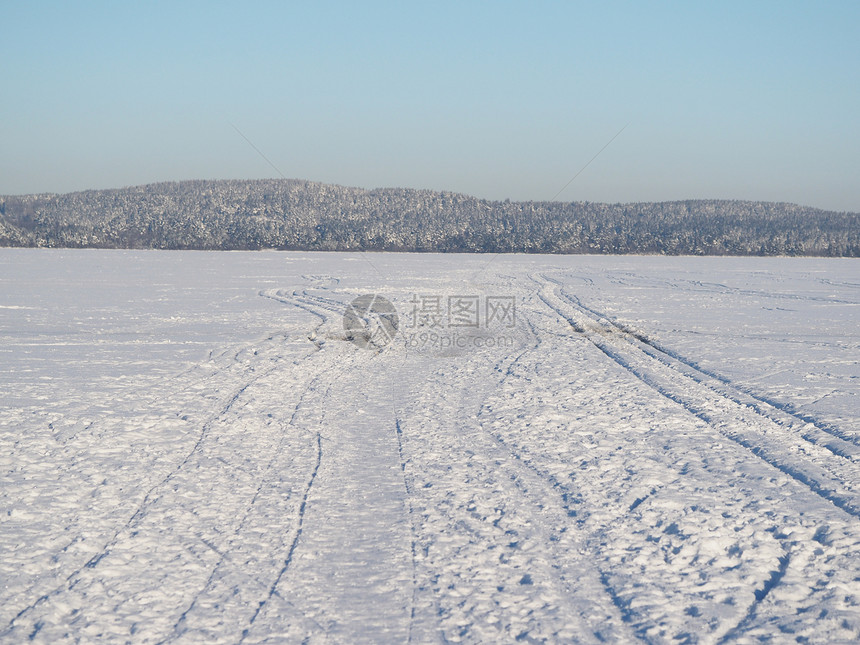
(193, 448)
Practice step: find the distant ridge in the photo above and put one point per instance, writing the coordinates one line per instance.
(303, 215)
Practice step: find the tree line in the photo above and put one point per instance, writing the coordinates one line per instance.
(301, 215)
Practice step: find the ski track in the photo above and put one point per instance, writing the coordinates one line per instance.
(481, 496)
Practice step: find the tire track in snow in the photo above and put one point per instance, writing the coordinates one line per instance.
(563, 496)
(760, 595)
(840, 443)
(301, 303)
(622, 350)
(535, 497)
(409, 495)
(322, 508)
(289, 558)
(149, 498)
(818, 471)
(224, 557)
(279, 296)
(322, 381)
(565, 492)
(233, 356)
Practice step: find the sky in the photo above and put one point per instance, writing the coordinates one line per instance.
(501, 100)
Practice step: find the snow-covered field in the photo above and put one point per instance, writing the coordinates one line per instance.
(549, 449)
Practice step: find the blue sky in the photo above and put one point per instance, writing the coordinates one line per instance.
(745, 100)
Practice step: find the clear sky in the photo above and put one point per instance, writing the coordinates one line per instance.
(743, 100)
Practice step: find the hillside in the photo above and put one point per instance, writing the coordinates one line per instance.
(300, 215)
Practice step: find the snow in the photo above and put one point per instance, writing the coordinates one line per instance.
(651, 449)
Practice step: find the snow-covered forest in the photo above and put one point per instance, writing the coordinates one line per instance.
(300, 215)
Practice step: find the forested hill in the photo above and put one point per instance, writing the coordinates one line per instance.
(289, 214)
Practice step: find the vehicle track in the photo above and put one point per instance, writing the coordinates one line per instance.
(567, 499)
(289, 425)
(149, 498)
(545, 501)
(340, 452)
(810, 428)
(298, 535)
(820, 469)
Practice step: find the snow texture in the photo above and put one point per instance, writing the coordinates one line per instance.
(619, 449)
